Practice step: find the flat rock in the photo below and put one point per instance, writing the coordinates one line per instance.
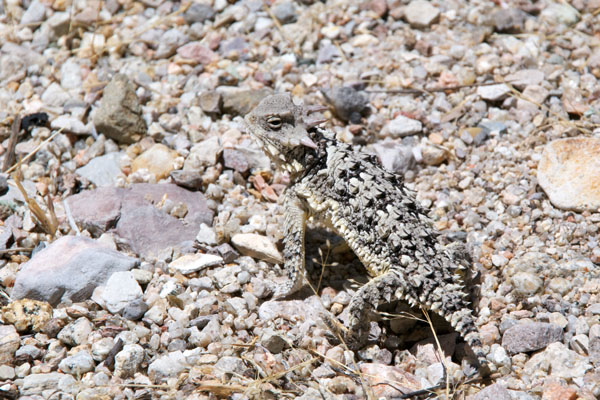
(35, 384)
(131, 214)
(493, 392)
(120, 114)
(525, 77)
(395, 157)
(493, 92)
(380, 375)
(77, 364)
(257, 246)
(531, 336)
(559, 362)
(421, 14)
(121, 290)
(169, 365)
(69, 269)
(569, 173)
(190, 263)
(402, 126)
(103, 170)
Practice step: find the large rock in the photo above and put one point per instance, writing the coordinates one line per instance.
(133, 215)
(120, 114)
(68, 269)
(569, 173)
(522, 338)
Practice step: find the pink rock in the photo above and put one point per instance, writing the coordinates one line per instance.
(197, 52)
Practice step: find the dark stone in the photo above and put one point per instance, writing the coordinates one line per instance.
(349, 104)
(198, 12)
(135, 310)
(187, 179)
(227, 252)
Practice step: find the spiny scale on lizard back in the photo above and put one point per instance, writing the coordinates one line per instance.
(371, 209)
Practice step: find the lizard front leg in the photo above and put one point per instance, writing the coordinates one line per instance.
(293, 244)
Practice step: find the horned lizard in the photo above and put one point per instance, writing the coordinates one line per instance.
(372, 210)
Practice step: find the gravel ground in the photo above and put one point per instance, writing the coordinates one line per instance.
(141, 228)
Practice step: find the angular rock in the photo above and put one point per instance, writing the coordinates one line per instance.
(524, 78)
(76, 332)
(197, 52)
(103, 170)
(158, 160)
(77, 364)
(235, 160)
(129, 360)
(509, 20)
(210, 102)
(121, 289)
(531, 336)
(69, 269)
(257, 246)
(559, 362)
(167, 366)
(36, 12)
(198, 12)
(285, 12)
(395, 157)
(569, 173)
(120, 115)
(349, 104)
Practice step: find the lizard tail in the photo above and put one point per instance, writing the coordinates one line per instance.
(462, 320)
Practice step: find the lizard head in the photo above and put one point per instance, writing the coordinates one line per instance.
(282, 129)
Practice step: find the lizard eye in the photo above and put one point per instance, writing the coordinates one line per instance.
(274, 122)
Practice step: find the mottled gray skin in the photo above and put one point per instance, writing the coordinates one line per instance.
(372, 210)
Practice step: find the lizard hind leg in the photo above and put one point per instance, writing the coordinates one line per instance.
(382, 289)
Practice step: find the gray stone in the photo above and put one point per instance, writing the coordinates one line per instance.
(10, 66)
(490, 127)
(129, 360)
(497, 391)
(28, 352)
(525, 77)
(395, 157)
(402, 126)
(76, 332)
(203, 154)
(9, 343)
(421, 14)
(187, 179)
(526, 283)
(531, 336)
(103, 170)
(198, 12)
(121, 289)
(594, 350)
(169, 42)
(55, 95)
(69, 269)
(120, 115)
(35, 384)
(36, 12)
(77, 364)
(167, 366)
(235, 160)
(229, 365)
(210, 102)
(71, 124)
(493, 93)
(348, 104)
(285, 12)
(562, 13)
